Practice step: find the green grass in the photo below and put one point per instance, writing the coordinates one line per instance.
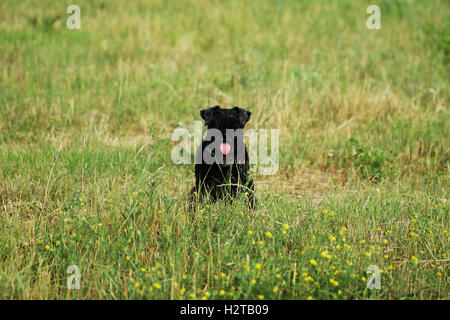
(86, 176)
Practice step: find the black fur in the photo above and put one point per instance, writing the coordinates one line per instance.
(222, 180)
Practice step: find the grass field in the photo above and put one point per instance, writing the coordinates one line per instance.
(86, 176)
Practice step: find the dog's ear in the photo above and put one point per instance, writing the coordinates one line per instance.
(244, 115)
(207, 114)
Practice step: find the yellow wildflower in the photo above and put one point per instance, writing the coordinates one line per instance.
(157, 285)
(334, 282)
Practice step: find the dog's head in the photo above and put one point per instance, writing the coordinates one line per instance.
(222, 119)
(228, 123)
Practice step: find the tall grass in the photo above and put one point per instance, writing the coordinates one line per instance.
(86, 177)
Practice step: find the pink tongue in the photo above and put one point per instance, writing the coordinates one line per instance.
(225, 148)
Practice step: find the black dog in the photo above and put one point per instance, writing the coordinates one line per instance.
(222, 162)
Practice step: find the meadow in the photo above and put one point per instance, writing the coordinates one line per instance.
(86, 176)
